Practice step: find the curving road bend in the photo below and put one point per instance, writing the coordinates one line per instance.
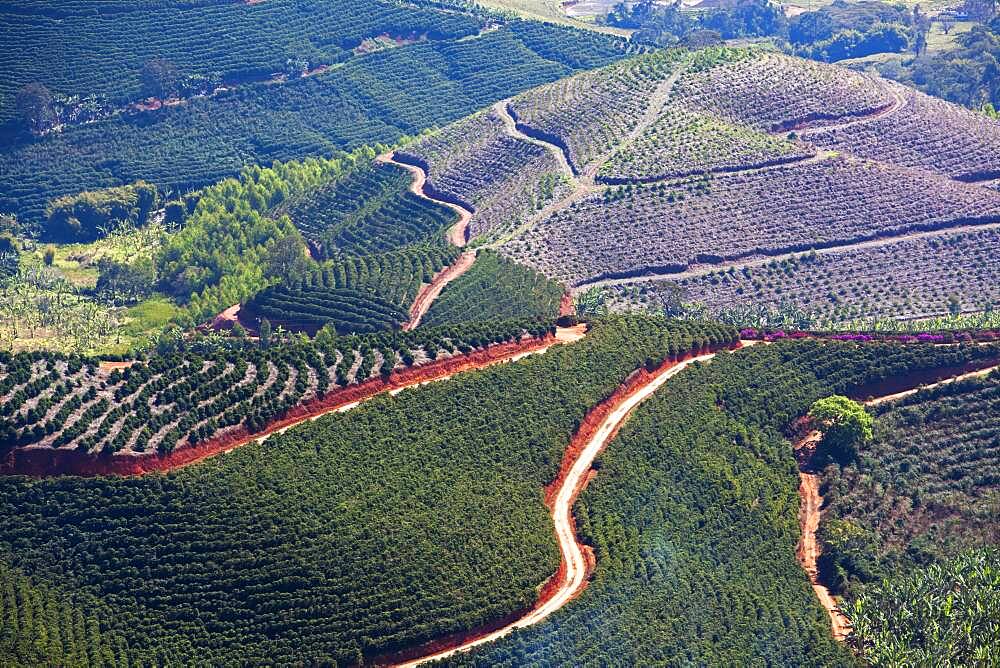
(574, 568)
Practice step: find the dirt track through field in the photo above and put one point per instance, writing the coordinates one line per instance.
(576, 558)
(808, 549)
(430, 291)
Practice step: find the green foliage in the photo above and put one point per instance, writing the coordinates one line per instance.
(369, 209)
(220, 256)
(201, 40)
(945, 614)
(344, 537)
(376, 98)
(693, 520)
(89, 215)
(39, 626)
(308, 309)
(495, 287)
(846, 426)
(924, 489)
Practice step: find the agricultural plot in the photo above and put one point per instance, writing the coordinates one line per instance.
(693, 519)
(682, 143)
(476, 164)
(343, 538)
(92, 49)
(378, 98)
(773, 92)
(307, 309)
(667, 227)
(368, 210)
(915, 278)
(495, 287)
(587, 115)
(924, 132)
(925, 488)
(54, 401)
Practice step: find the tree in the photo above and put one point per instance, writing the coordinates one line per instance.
(845, 425)
(160, 78)
(33, 106)
(49, 256)
(287, 258)
(264, 332)
(954, 305)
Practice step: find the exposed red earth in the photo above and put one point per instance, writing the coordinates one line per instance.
(430, 291)
(41, 462)
(458, 234)
(598, 429)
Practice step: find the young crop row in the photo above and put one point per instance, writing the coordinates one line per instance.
(368, 210)
(667, 227)
(307, 309)
(378, 98)
(394, 276)
(907, 279)
(682, 143)
(103, 54)
(55, 401)
(925, 132)
(693, 519)
(495, 287)
(587, 115)
(325, 544)
(773, 92)
(476, 164)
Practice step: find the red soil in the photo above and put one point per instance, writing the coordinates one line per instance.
(430, 291)
(566, 306)
(41, 462)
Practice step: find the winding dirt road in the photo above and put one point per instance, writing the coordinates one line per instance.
(575, 568)
(458, 234)
(430, 291)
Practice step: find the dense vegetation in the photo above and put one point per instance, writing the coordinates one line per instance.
(207, 43)
(495, 287)
(926, 488)
(345, 537)
(88, 215)
(307, 309)
(946, 614)
(376, 98)
(39, 626)
(368, 210)
(693, 519)
(188, 395)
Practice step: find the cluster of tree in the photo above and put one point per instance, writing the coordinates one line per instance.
(693, 519)
(966, 74)
(835, 32)
(90, 215)
(496, 287)
(664, 25)
(289, 550)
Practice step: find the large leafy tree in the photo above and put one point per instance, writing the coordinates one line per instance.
(845, 425)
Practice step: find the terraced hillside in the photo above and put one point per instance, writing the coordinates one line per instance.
(692, 516)
(916, 278)
(377, 97)
(343, 538)
(687, 167)
(52, 402)
(368, 210)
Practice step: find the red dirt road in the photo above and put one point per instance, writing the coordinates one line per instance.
(43, 462)
(430, 291)
(458, 235)
(598, 429)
